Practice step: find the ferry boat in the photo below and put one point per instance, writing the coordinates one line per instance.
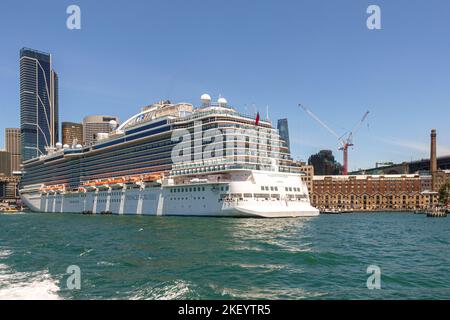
(173, 159)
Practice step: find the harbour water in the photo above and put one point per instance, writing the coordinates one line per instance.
(129, 257)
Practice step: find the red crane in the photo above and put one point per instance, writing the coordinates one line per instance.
(345, 140)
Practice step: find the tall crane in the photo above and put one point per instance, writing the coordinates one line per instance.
(345, 140)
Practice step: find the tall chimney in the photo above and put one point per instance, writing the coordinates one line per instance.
(433, 160)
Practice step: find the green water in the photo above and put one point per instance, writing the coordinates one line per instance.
(130, 257)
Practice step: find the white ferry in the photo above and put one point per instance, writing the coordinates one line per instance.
(173, 159)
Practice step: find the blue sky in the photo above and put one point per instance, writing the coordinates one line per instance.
(276, 53)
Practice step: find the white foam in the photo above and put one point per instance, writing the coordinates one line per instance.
(25, 285)
(167, 291)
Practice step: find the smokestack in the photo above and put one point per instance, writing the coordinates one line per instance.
(433, 160)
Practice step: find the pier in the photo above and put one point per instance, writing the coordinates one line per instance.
(437, 213)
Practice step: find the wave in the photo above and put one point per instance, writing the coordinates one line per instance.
(25, 285)
(263, 293)
(170, 290)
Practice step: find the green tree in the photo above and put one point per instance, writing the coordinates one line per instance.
(444, 193)
(325, 164)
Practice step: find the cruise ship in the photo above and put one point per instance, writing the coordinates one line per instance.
(173, 159)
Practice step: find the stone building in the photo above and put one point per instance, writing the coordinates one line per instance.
(93, 125)
(8, 189)
(72, 132)
(5, 163)
(308, 170)
(373, 193)
(13, 145)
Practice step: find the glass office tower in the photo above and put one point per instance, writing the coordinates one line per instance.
(38, 103)
(283, 129)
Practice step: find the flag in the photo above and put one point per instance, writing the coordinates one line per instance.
(257, 119)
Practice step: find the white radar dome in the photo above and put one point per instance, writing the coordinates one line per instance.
(78, 146)
(205, 98)
(222, 100)
(113, 124)
(66, 146)
(59, 145)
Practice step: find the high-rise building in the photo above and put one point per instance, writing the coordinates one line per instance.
(38, 103)
(13, 146)
(93, 125)
(72, 131)
(283, 129)
(5, 163)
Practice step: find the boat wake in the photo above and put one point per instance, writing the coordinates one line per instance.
(25, 285)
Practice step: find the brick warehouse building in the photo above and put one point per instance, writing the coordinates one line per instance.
(373, 193)
(396, 192)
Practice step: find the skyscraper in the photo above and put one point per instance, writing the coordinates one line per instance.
(5, 163)
(93, 125)
(71, 131)
(38, 103)
(13, 146)
(283, 129)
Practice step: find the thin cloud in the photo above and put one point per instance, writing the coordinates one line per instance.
(420, 147)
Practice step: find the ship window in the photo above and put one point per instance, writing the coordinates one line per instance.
(203, 188)
(267, 188)
(262, 188)
(247, 195)
(276, 188)
(195, 189)
(271, 188)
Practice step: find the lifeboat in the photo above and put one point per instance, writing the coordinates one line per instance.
(152, 180)
(103, 187)
(90, 188)
(43, 190)
(116, 183)
(151, 177)
(131, 182)
(116, 186)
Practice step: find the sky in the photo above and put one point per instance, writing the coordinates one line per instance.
(255, 53)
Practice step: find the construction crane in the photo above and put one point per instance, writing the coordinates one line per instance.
(345, 140)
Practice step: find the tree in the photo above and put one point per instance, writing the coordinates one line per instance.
(325, 164)
(444, 193)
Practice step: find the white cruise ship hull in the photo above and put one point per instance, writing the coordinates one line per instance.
(222, 199)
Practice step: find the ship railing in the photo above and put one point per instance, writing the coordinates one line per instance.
(230, 112)
(200, 169)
